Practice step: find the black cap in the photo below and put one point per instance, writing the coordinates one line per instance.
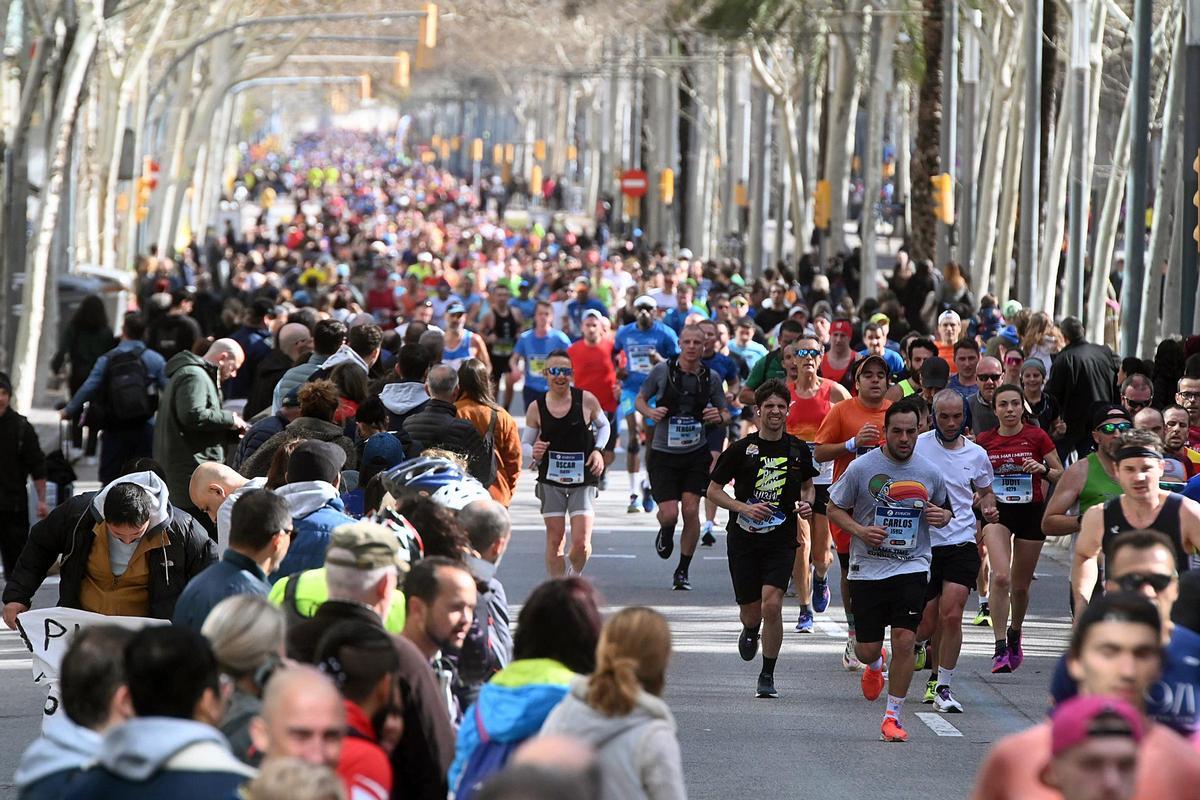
(262, 307)
(314, 460)
(935, 373)
(1102, 412)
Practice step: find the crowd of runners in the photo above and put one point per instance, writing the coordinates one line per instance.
(309, 435)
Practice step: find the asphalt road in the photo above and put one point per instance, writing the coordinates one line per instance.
(818, 740)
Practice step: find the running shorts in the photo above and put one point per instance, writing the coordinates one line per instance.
(1023, 520)
(715, 436)
(565, 501)
(754, 564)
(953, 563)
(500, 366)
(897, 601)
(673, 474)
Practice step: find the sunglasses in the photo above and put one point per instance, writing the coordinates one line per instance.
(990, 377)
(1189, 395)
(1134, 581)
(808, 353)
(643, 308)
(1109, 428)
(1011, 361)
(1136, 405)
(559, 372)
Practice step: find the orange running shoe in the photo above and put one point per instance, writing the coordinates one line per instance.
(892, 730)
(873, 680)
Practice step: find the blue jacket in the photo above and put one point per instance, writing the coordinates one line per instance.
(1172, 701)
(233, 574)
(257, 436)
(256, 344)
(512, 706)
(156, 367)
(316, 511)
(53, 761)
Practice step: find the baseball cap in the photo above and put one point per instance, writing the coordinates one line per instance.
(1080, 718)
(685, 253)
(880, 318)
(935, 373)
(841, 326)
(314, 460)
(456, 308)
(1102, 412)
(862, 363)
(949, 316)
(1010, 309)
(1009, 334)
(291, 399)
(645, 301)
(591, 312)
(364, 546)
(382, 451)
(794, 310)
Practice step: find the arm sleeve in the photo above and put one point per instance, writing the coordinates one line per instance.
(528, 437)
(602, 431)
(89, 387)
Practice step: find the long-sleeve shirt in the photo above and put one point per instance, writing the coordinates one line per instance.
(156, 367)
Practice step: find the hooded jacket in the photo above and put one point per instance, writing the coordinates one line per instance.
(258, 435)
(258, 463)
(638, 753)
(268, 373)
(401, 400)
(438, 425)
(148, 758)
(55, 758)
(69, 531)
(316, 510)
(191, 427)
(511, 708)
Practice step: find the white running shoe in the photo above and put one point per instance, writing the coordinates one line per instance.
(943, 701)
(850, 661)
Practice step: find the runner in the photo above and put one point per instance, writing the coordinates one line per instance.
(718, 437)
(1090, 481)
(835, 364)
(849, 430)
(460, 343)
(875, 343)
(1142, 505)
(770, 366)
(811, 398)
(1023, 459)
(918, 351)
(949, 328)
(887, 500)
(645, 342)
(569, 458)
(743, 344)
(964, 366)
(533, 346)
(591, 358)
(500, 328)
(956, 559)
(772, 473)
(688, 398)
(1175, 431)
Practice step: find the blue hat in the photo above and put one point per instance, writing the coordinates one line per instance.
(381, 452)
(456, 308)
(1009, 334)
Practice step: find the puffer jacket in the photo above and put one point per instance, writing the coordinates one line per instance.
(258, 463)
(258, 435)
(316, 510)
(438, 425)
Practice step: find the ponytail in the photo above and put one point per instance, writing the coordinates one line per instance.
(614, 686)
(631, 657)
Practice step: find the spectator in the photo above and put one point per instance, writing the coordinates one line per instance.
(438, 425)
(22, 459)
(1083, 374)
(301, 717)
(477, 405)
(407, 396)
(318, 403)
(254, 336)
(87, 336)
(294, 343)
(529, 782)
(176, 331)
(488, 646)
(293, 779)
(192, 427)
(312, 494)
(440, 595)
(619, 709)
(171, 749)
(213, 489)
(247, 635)
(259, 535)
(122, 401)
(94, 699)
(328, 337)
(1094, 749)
(260, 432)
(125, 551)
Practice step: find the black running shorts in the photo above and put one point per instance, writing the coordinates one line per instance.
(1024, 520)
(673, 474)
(953, 563)
(754, 564)
(897, 601)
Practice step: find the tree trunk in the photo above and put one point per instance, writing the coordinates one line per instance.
(1003, 253)
(884, 29)
(1054, 207)
(843, 111)
(926, 160)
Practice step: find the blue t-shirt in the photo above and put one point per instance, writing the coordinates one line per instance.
(895, 363)
(637, 344)
(526, 307)
(1192, 490)
(534, 349)
(724, 366)
(966, 391)
(575, 311)
(751, 353)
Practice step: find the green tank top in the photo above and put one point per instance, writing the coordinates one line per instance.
(1098, 487)
(907, 388)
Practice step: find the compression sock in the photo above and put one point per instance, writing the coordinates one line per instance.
(684, 563)
(983, 601)
(633, 483)
(894, 706)
(877, 664)
(944, 676)
(769, 666)
(850, 623)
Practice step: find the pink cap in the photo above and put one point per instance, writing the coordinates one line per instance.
(1072, 721)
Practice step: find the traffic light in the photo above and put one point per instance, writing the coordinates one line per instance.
(427, 35)
(477, 150)
(666, 186)
(822, 200)
(364, 82)
(539, 149)
(403, 69)
(943, 197)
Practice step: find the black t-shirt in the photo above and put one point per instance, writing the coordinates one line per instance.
(766, 472)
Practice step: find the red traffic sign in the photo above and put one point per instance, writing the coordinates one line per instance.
(634, 183)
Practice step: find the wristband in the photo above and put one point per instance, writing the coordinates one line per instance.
(851, 445)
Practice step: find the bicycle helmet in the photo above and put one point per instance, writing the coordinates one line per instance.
(456, 496)
(424, 473)
(412, 546)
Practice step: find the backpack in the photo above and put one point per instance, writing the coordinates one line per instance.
(671, 395)
(485, 454)
(124, 396)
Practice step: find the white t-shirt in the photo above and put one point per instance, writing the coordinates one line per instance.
(964, 470)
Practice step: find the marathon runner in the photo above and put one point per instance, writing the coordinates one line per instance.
(742, 344)
(569, 458)
(811, 398)
(772, 473)
(462, 344)
(499, 329)
(1023, 459)
(918, 351)
(949, 328)
(718, 437)
(835, 364)
(645, 343)
(687, 399)
(770, 366)
(955, 558)
(851, 429)
(591, 358)
(887, 500)
(532, 348)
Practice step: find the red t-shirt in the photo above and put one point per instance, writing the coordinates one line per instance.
(594, 371)
(363, 767)
(1008, 453)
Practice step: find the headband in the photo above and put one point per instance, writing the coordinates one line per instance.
(1138, 451)
(842, 326)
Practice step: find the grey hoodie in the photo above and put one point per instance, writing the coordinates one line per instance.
(143, 746)
(62, 746)
(305, 497)
(401, 398)
(638, 753)
(119, 552)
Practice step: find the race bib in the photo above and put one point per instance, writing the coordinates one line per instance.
(503, 348)
(639, 358)
(900, 526)
(566, 468)
(537, 365)
(754, 526)
(1013, 487)
(684, 432)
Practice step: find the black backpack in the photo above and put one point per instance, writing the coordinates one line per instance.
(124, 397)
(487, 453)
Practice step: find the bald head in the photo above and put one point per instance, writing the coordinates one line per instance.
(302, 717)
(1150, 419)
(227, 355)
(564, 753)
(988, 366)
(211, 484)
(294, 340)
(442, 383)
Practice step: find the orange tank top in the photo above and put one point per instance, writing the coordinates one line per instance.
(805, 414)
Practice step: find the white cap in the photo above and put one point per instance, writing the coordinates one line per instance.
(685, 253)
(949, 316)
(591, 312)
(425, 256)
(645, 300)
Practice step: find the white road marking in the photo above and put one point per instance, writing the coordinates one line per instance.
(716, 558)
(613, 555)
(832, 629)
(938, 724)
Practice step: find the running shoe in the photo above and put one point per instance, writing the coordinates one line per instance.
(681, 582)
(945, 702)
(921, 656)
(820, 600)
(930, 691)
(791, 589)
(706, 535)
(850, 661)
(892, 730)
(1000, 662)
(635, 506)
(766, 686)
(983, 616)
(664, 543)
(748, 644)
(804, 624)
(872, 680)
(1016, 656)
(647, 500)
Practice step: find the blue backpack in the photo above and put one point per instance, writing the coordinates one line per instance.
(487, 759)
